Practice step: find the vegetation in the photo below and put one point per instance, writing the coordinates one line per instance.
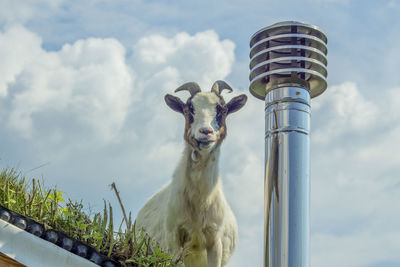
(48, 207)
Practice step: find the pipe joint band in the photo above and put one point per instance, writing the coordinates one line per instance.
(287, 109)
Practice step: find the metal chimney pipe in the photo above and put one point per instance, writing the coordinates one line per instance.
(287, 68)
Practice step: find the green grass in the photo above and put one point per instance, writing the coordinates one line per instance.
(47, 206)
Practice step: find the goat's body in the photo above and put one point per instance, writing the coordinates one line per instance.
(191, 211)
(190, 214)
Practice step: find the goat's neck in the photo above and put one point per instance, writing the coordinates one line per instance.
(201, 172)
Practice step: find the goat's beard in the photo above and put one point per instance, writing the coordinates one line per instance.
(206, 147)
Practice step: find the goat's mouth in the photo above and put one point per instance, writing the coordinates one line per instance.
(204, 142)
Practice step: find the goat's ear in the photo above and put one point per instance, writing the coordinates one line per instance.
(236, 103)
(174, 103)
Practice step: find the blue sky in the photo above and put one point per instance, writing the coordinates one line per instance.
(82, 86)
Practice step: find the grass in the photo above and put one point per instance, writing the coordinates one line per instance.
(47, 206)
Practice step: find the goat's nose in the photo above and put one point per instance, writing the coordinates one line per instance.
(206, 130)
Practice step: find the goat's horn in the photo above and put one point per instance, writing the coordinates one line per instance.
(218, 86)
(192, 87)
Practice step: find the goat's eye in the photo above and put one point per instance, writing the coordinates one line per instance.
(189, 111)
(188, 108)
(221, 109)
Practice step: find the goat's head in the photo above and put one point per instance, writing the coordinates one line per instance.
(205, 113)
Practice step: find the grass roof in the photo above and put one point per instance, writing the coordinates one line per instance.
(121, 243)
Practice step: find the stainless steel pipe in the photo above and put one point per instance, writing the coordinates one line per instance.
(288, 67)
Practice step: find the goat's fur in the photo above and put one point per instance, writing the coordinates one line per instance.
(191, 212)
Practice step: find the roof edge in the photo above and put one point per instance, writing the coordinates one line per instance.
(33, 251)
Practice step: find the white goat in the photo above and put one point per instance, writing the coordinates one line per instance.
(191, 211)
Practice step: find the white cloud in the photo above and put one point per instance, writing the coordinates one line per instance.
(242, 157)
(245, 184)
(18, 48)
(202, 57)
(354, 178)
(372, 125)
(86, 83)
(384, 149)
(345, 110)
(391, 104)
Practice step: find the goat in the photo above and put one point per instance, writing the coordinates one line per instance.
(191, 212)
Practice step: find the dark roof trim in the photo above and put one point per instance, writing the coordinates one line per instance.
(56, 237)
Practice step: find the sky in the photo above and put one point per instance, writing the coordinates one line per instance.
(81, 106)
